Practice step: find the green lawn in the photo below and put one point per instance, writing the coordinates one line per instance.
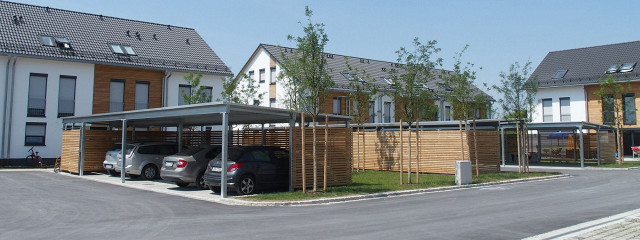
(626, 164)
(365, 182)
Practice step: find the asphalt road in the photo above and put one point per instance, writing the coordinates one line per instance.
(42, 205)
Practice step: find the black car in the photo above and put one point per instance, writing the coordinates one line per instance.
(250, 168)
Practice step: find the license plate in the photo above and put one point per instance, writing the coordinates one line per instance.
(168, 164)
(108, 166)
(216, 169)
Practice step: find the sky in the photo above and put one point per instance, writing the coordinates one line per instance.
(498, 32)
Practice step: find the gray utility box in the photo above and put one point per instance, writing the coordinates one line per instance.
(463, 172)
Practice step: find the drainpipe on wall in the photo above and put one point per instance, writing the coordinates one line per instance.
(7, 123)
(165, 91)
(4, 106)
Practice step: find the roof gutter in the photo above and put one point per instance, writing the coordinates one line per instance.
(8, 105)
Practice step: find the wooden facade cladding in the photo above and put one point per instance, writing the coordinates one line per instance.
(103, 74)
(272, 63)
(272, 91)
(594, 103)
(327, 106)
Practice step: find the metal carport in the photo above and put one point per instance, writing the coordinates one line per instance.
(551, 126)
(205, 114)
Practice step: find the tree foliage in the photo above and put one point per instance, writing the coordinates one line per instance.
(198, 93)
(243, 90)
(518, 102)
(611, 94)
(363, 88)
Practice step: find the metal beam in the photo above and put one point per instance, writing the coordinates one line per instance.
(502, 148)
(292, 124)
(264, 137)
(180, 127)
(123, 149)
(225, 149)
(598, 144)
(81, 159)
(581, 148)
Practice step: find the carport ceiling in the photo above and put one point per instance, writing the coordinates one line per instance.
(194, 115)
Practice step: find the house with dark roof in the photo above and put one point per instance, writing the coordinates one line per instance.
(264, 65)
(568, 80)
(57, 63)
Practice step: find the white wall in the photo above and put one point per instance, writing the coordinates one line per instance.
(577, 101)
(53, 69)
(207, 80)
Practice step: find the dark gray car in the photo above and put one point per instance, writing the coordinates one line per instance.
(188, 166)
(250, 169)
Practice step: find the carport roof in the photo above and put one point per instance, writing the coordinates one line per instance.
(556, 125)
(195, 115)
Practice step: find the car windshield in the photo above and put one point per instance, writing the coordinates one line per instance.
(234, 154)
(190, 151)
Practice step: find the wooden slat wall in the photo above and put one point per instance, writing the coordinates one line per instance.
(439, 150)
(70, 150)
(102, 84)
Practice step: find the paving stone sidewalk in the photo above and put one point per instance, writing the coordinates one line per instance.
(628, 229)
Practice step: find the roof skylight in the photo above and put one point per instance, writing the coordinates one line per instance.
(122, 49)
(387, 80)
(128, 50)
(48, 41)
(612, 69)
(116, 48)
(627, 67)
(560, 73)
(63, 42)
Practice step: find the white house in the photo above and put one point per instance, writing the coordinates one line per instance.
(265, 64)
(56, 63)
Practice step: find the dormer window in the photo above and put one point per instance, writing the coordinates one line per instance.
(60, 42)
(560, 74)
(627, 67)
(122, 49)
(612, 69)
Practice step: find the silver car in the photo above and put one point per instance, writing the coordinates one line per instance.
(111, 160)
(188, 166)
(145, 159)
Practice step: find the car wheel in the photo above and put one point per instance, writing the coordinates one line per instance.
(182, 184)
(200, 181)
(149, 172)
(215, 189)
(246, 185)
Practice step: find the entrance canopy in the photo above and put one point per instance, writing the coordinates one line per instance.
(574, 127)
(205, 114)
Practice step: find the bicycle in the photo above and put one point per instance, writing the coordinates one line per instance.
(34, 158)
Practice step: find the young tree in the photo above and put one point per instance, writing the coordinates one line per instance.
(198, 93)
(611, 93)
(241, 90)
(463, 96)
(413, 99)
(362, 90)
(518, 102)
(306, 76)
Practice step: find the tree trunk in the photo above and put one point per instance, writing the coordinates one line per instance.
(620, 146)
(364, 151)
(526, 147)
(461, 140)
(315, 157)
(326, 145)
(401, 155)
(519, 147)
(418, 150)
(410, 155)
(304, 166)
(358, 147)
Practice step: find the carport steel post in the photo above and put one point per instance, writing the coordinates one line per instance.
(225, 146)
(123, 149)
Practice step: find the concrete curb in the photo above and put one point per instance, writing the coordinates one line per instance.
(237, 201)
(326, 201)
(572, 168)
(582, 228)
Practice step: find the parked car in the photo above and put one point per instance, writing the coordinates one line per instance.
(145, 159)
(188, 166)
(111, 160)
(250, 168)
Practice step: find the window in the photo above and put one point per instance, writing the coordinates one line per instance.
(447, 113)
(142, 95)
(250, 79)
(272, 77)
(34, 134)
(608, 114)
(387, 80)
(67, 96)
(272, 102)
(208, 92)
(116, 96)
(627, 67)
(565, 109)
(612, 69)
(183, 90)
(560, 74)
(372, 111)
(37, 95)
(547, 110)
(387, 112)
(347, 76)
(336, 106)
(63, 42)
(122, 49)
(60, 42)
(629, 101)
(261, 75)
(48, 41)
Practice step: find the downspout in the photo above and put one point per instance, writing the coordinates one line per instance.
(165, 90)
(4, 106)
(8, 124)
